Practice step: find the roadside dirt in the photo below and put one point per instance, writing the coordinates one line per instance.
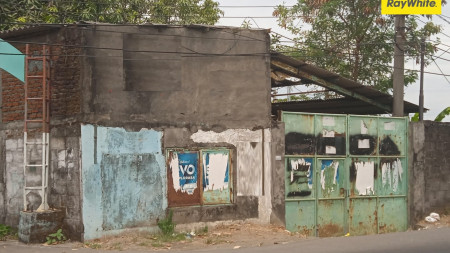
(241, 235)
(224, 236)
(443, 222)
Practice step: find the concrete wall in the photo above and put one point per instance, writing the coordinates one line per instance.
(193, 87)
(278, 175)
(123, 179)
(213, 78)
(64, 176)
(429, 168)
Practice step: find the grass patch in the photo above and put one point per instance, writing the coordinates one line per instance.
(93, 245)
(157, 244)
(162, 240)
(202, 231)
(117, 246)
(8, 233)
(215, 240)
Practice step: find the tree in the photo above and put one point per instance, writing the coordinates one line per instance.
(351, 37)
(438, 118)
(109, 11)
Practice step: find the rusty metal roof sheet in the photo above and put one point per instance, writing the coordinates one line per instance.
(360, 99)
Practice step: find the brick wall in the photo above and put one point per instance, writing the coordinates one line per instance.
(65, 83)
(429, 168)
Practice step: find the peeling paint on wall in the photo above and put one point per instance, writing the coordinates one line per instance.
(329, 174)
(123, 179)
(249, 156)
(364, 178)
(364, 129)
(232, 136)
(301, 177)
(215, 171)
(391, 174)
(216, 176)
(249, 171)
(184, 171)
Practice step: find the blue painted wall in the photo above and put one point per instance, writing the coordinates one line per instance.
(123, 179)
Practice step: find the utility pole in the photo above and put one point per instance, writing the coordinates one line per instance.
(422, 66)
(399, 65)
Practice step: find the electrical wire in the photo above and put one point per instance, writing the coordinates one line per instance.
(445, 76)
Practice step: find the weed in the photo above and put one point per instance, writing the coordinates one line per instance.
(166, 225)
(209, 241)
(117, 246)
(4, 232)
(157, 244)
(93, 245)
(202, 231)
(56, 238)
(143, 244)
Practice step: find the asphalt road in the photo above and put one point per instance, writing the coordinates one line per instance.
(425, 241)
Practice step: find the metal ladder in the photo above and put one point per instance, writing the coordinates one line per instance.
(40, 124)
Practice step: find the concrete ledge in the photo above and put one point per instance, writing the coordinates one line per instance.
(34, 227)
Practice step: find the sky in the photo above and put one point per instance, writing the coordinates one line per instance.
(436, 87)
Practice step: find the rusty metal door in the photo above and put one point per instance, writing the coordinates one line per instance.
(345, 174)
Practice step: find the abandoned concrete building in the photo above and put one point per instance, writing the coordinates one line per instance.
(112, 126)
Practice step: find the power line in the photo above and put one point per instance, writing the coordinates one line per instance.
(133, 51)
(443, 19)
(448, 36)
(445, 76)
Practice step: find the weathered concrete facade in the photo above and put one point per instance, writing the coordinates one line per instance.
(124, 96)
(429, 168)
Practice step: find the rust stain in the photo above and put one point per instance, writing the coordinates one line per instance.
(387, 229)
(329, 230)
(304, 230)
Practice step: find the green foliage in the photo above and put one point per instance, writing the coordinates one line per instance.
(93, 245)
(166, 225)
(439, 118)
(352, 38)
(443, 114)
(109, 11)
(4, 232)
(415, 118)
(56, 238)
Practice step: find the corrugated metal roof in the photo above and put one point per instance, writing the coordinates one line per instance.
(338, 106)
(346, 105)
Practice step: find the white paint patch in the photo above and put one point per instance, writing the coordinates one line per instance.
(391, 175)
(365, 143)
(215, 171)
(301, 162)
(396, 174)
(390, 126)
(249, 169)
(335, 164)
(330, 150)
(364, 129)
(386, 175)
(326, 133)
(364, 177)
(232, 136)
(328, 121)
(322, 179)
(174, 165)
